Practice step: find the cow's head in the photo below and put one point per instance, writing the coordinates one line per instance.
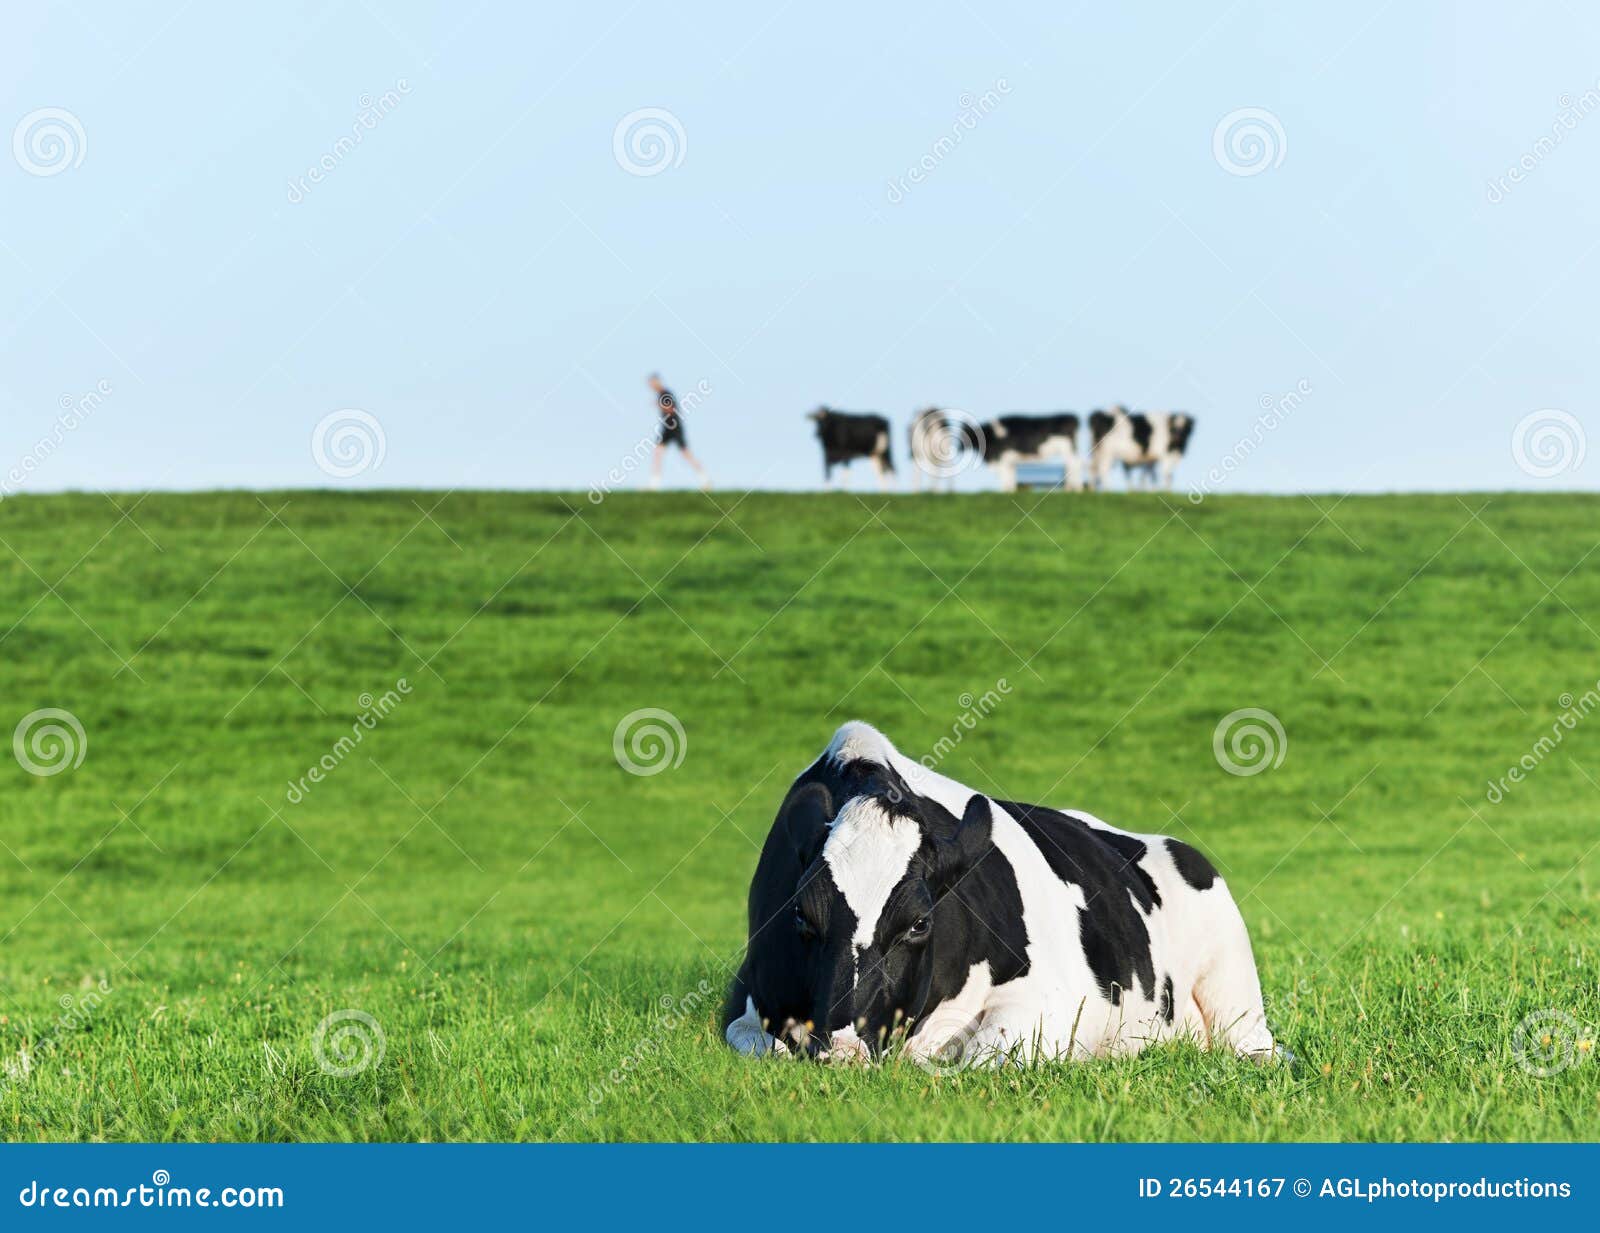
(872, 925)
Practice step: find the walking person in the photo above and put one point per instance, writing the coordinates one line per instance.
(671, 433)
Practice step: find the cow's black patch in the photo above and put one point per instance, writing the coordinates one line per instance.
(1133, 849)
(1194, 868)
(774, 973)
(1167, 1011)
(846, 435)
(1116, 942)
(978, 916)
(1100, 423)
(1178, 430)
(1140, 424)
(1026, 434)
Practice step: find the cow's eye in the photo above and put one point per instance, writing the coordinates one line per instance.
(920, 929)
(802, 926)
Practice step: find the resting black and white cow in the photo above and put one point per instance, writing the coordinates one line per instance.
(892, 900)
(1143, 443)
(848, 435)
(1008, 440)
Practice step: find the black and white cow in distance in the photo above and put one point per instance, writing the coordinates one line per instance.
(848, 435)
(1143, 443)
(1008, 440)
(890, 900)
(936, 443)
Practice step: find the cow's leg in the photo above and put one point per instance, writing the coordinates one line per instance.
(944, 1036)
(883, 475)
(1228, 990)
(1074, 467)
(1169, 464)
(1017, 1035)
(1007, 467)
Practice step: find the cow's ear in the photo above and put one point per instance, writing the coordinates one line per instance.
(805, 820)
(972, 839)
(975, 834)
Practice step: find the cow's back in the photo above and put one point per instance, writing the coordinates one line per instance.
(1120, 929)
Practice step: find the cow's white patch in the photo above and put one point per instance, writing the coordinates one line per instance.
(868, 852)
(857, 739)
(845, 1046)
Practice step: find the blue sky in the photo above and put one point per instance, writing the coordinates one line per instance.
(484, 277)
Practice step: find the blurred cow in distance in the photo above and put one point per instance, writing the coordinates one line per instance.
(1008, 440)
(936, 440)
(1150, 445)
(848, 435)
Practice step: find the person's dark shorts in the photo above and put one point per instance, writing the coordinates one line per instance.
(672, 432)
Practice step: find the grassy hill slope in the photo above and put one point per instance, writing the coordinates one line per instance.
(539, 939)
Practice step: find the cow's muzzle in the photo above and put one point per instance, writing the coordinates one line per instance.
(845, 1046)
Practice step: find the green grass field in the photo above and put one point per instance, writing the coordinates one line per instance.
(542, 938)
